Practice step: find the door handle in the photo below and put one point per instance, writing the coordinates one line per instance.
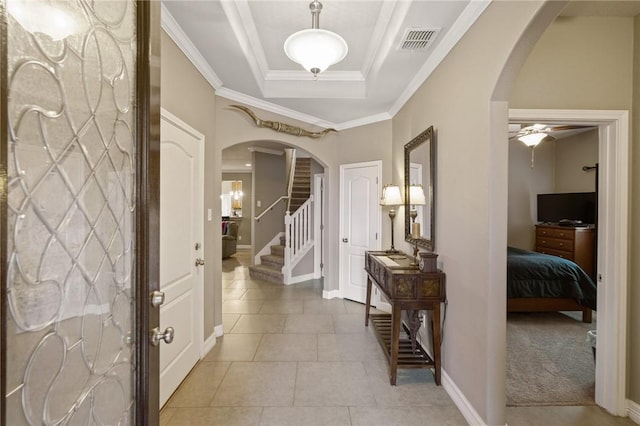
(345, 240)
(199, 262)
(157, 336)
(157, 298)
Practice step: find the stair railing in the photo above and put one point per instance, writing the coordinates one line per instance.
(291, 166)
(298, 236)
(292, 174)
(271, 206)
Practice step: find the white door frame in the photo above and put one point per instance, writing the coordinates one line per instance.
(318, 225)
(341, 266)
(613, 231)
(199, 290)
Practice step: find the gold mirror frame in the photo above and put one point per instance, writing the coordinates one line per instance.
(424, 139)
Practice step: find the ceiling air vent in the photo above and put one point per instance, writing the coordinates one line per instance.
(418, 38)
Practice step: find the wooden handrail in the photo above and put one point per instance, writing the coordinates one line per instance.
(284, 197)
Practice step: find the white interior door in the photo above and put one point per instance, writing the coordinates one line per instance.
(181, 237)
(359, 224)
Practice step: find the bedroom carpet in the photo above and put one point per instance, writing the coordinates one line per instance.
(549, 361)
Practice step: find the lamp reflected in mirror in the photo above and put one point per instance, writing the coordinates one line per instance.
(417, 198)
(419, 171)
(391, 197)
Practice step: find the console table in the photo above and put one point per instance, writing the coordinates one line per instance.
(406, 288)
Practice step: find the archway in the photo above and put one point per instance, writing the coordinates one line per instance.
(614, 152)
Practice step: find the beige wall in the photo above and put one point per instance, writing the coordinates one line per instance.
(270, 183)
(588, 63)
(558, 168)
(187, 95)
(634, 293)
(571, 154)
(459, 99)
(524, 185)
(580, 62)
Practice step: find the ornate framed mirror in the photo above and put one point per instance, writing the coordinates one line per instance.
(419, 173)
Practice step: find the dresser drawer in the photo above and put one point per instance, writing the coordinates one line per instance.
(568, 234)
(560, 253)
(554, 243)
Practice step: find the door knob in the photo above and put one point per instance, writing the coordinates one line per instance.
(345, 240)
(157, 298)
(157, 336)
(199, 262)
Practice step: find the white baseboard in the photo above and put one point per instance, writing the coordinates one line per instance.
(331, 294)
(218, 331)
(633, 411)
(208, 345)
(465, 407)
(244, 246)
(300, 278)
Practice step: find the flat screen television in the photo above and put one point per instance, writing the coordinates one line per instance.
(567, 208)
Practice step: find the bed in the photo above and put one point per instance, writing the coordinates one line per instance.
(539, 282)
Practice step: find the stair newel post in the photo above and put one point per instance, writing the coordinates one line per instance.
(286, 269)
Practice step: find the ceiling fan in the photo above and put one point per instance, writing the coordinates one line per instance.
(532, 134)
(520, 131)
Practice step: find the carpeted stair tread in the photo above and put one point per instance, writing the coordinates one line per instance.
(277, 250)
(272, 260)
(265, 273)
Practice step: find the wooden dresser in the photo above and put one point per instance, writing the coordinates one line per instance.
(409, 289)
(575, 244)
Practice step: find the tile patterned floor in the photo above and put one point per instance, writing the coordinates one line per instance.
(289, 357)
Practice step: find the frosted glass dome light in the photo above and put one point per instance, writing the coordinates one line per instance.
(315, 49)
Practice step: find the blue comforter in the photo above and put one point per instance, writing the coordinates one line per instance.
(531, 274)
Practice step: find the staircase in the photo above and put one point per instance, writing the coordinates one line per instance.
(301, 184)
(271, 265)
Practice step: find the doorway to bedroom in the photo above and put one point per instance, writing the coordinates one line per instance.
(552, 228)
(551, 357)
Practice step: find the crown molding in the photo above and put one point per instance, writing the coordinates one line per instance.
(266, 150)
(271, 107)
(470, 14)
(175, 32)
(278, 75)
(459, 28)
(395, 13)
(246, 171)
(243, 26)
(376, 118)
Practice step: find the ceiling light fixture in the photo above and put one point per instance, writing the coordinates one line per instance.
(532, 138)
(315, 49)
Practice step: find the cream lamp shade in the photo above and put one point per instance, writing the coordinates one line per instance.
(416, 195)
(391, 196)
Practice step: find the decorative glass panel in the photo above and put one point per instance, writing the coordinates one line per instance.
(70, 248)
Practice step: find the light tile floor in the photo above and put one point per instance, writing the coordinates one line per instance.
(289, 357)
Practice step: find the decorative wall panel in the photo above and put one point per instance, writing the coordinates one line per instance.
(71, 83)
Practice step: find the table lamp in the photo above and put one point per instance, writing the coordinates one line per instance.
(391, 197)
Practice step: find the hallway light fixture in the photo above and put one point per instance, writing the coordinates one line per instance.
(533, 139)
(315, 49)
(391, 197)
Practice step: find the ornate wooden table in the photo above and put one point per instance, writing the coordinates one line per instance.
(406, 288)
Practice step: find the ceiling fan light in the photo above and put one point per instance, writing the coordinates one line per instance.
(315, 49)
(532, 139)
